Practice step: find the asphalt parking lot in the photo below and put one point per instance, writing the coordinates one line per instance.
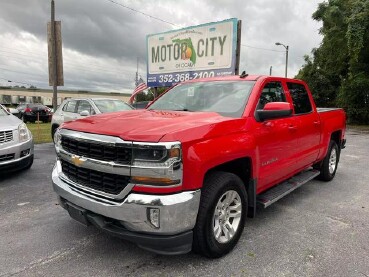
(321, 229)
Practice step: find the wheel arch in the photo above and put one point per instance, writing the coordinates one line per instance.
(241, 167)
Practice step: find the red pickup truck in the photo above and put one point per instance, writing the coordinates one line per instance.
(186, 172)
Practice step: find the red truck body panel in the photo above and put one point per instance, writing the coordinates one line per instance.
(277, 149)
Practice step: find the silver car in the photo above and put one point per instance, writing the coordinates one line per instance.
(16, 143)
(75, 108)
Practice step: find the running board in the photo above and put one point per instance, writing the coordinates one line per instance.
(275, 193)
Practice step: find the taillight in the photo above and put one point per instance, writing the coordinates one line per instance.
(27, 110)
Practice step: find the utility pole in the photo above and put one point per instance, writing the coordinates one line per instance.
(55, 66)
(136, 81)
(270, 70)
(287, 48)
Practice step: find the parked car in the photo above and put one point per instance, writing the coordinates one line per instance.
(16, 143)
(32, 112)
(74, 108)
(14, 112)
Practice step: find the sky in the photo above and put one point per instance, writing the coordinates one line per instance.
(102, 39)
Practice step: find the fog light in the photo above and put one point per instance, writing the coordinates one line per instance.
(24, 153)
(153, 215)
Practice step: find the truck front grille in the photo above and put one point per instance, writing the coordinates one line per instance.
(105, 182)
(94, 150)
(6, 136)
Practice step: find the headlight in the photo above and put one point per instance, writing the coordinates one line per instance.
(157, 164)
(159, 155)
(57, 140)
(24, 133)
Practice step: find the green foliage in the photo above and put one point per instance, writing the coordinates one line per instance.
(144, 97)
(338, 71)
(354, 97)
(188, 43)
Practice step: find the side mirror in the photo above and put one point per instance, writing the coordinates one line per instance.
(84, 113)
(274, 110)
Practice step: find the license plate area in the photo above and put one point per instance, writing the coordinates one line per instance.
(77, 213)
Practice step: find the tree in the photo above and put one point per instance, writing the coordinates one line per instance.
(338, 71)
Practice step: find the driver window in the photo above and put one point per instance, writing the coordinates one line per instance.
(272, 92)
(84, 106)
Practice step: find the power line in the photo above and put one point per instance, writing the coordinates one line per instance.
(162, 20)
(31, 74)
(148, 15)
(11, 81)
(259, 48)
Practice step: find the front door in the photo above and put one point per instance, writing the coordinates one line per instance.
(276, 140)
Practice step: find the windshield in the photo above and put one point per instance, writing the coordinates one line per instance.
(227, 98)
(107, 105)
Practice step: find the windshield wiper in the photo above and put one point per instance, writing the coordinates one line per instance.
(183, 110)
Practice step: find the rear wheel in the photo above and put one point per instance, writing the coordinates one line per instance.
(328, 166)
(221, 216)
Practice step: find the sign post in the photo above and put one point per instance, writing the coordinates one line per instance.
(55, 57)
(206, 50)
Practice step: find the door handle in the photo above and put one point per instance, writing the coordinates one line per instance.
(316, 123)
(268, 124)
(292, 128)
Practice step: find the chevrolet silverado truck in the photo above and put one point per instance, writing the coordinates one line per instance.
(185, 173)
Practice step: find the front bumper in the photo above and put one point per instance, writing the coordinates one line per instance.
(22, 154)
(178, 213)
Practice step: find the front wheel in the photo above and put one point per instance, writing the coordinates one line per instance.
(221, 216)
(328, 166)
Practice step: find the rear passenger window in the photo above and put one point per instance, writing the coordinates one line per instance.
(70, 106)
(300, 98)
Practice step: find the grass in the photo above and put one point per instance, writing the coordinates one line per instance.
(41, 132)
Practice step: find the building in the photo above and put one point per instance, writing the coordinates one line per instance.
(15, 95)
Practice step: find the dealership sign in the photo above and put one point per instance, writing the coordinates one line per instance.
(206, 50)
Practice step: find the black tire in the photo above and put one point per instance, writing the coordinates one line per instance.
(216, 185)
(328, 166)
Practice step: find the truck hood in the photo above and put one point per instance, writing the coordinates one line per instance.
(153, 126)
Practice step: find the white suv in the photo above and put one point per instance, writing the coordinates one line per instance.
(75, 108)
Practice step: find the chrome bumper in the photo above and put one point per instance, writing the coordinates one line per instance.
(178, 212)
(16, 148)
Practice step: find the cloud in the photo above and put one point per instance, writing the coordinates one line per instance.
(102, 40)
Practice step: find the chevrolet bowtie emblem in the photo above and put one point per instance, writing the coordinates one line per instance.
(77, 160)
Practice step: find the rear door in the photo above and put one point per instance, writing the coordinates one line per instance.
(308, 124)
